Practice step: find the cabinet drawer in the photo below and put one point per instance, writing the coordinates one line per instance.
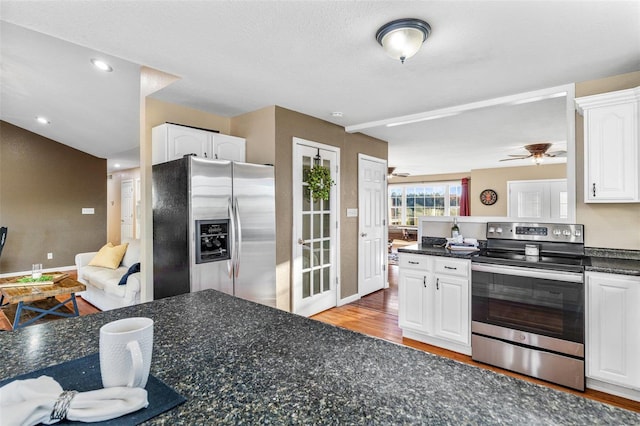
(413, 261)
(457, 267)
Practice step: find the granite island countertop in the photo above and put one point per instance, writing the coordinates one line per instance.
(237, 362)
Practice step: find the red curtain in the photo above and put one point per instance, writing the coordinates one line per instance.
(465, 208)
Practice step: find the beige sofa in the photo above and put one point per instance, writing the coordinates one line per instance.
(103, 290)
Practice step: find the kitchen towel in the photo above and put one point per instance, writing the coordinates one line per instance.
(41, 400)
(83, 374)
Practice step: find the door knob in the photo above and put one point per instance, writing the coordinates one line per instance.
(363, 234)
(301, 241)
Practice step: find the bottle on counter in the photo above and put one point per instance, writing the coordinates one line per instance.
(455, 230)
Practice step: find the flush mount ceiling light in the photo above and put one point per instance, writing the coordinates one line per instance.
(101, 65)
(402, 38)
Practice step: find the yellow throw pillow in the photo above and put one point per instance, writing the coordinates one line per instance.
(109, 256)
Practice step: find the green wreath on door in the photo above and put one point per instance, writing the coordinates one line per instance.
(320, 182)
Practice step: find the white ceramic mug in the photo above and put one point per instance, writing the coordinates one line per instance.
(125, 352)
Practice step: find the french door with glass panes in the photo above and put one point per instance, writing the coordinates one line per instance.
(315, 247)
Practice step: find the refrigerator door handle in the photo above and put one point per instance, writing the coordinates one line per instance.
(239, 237)
(232, 249)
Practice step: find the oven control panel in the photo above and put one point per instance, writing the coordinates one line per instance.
(563, 232)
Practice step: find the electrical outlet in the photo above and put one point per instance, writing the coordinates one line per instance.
(49, 256)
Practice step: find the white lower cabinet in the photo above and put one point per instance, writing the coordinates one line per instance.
(434, 301)
(613, 334)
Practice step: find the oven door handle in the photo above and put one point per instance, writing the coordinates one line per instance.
(572, 277)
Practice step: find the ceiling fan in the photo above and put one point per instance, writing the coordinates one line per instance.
(537, 153)
(391, 173)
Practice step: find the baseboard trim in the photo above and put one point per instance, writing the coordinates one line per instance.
(624, 392)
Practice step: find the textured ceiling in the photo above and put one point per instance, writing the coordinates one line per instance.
(315, 57)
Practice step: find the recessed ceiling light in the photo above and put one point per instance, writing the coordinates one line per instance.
(337, 114)
(117, 165)
(101, 65)
(42, 120)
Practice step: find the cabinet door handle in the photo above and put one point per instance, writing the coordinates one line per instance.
(437, 283)
(594, 189)
(414, 263)
(449, 267)
(424, 281)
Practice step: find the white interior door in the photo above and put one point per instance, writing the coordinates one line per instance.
(137, 209)
(315, 233)
(126, 209)
(372, 230)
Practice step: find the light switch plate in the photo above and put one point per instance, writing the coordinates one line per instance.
(352, 212)
(88, 210)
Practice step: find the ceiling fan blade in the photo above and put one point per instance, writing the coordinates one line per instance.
(556, 154)
(517, 158)
(520, 155)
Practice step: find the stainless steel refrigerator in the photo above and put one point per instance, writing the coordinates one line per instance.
(214, 228)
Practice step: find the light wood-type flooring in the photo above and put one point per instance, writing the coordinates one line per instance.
(377, 315)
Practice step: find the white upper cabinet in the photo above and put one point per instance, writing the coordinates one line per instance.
(227, 147)
(172, 141)
(612, 155)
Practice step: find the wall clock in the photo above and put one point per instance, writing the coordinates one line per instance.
(488, 197)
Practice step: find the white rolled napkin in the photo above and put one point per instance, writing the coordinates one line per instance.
(31, 401)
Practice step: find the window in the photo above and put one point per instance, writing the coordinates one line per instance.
(407, 202)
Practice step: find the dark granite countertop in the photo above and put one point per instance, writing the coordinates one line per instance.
(612, 265)
(432, 250)
(237, 362)
(612, 261)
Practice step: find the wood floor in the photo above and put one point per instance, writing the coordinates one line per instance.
(377, 315)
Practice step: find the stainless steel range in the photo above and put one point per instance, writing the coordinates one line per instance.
(528, 301)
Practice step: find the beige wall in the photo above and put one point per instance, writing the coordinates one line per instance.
(354, 144)
(497, 179)
(606, 225)
(259, 130)
(159, 112)
(290, 124)
(43, 187)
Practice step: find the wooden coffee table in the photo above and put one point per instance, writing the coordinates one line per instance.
(13, 293)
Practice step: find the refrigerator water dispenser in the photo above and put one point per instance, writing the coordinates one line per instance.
(212, 243)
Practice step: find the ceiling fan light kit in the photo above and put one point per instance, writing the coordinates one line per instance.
(402, 38)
